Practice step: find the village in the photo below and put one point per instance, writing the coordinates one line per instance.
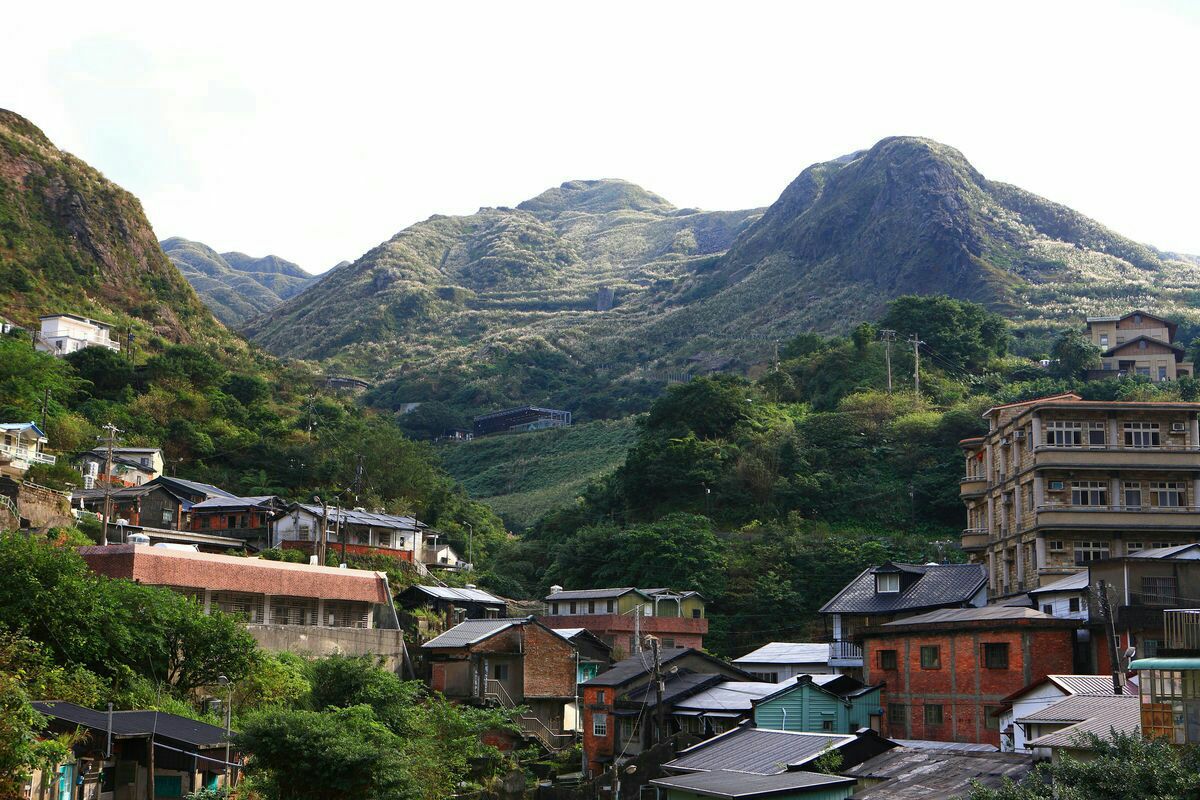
(1071, 612)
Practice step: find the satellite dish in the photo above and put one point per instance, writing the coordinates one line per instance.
(1130, 652)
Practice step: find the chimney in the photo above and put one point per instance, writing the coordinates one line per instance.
(555, 589)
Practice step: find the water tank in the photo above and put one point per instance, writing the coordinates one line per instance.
(189, 548)
(138, 538)
(555, 589)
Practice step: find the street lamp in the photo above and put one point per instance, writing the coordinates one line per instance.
(223, 681)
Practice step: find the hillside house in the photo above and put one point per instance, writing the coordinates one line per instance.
(820, 704)
(520, 420)
(594, 656)
(62, 334)
(21, 446)
(438, 555)
(151, 505)
(894, 591)
(452, 604)
(1137, 343)
(780, 661)
(1053, 732)
(615, 615)
(510, 663)
(154, 755)
(358, 531)
(948, 671)
(1066, 597)
(244, 518)
(1040, 695)
(131, 466)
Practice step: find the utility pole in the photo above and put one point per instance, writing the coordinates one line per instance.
(916, 342)
(320, 548)
(637, 628)
(45, 406)
(659, 711)
(470, 544)
(888, 336)
(109, 441)
(1110, 633)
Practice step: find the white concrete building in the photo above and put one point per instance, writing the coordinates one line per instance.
(65, 333)
(781, 661)
(21, 446)
(1066, 598)
(1042, 694)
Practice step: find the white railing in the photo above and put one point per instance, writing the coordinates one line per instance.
(29, 454)
(845, 651)
(494, 690)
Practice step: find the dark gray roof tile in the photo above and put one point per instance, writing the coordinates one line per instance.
(938, 585)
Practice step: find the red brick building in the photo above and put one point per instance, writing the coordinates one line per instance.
(947, 671)
(510, 662)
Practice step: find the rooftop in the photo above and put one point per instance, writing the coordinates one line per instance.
(788, 653)
(1080, 707)
(1072, 583)
(472, 631)
(638, 665)
(454, 593)
(936, 773)
(938, 585)
(369, 518)
(983, 614)
(157, 566)
(756, 750)
(1071, 685)
(135, 724)
(593, 594)
(730, 784)
(728, 696)
(1122, 713)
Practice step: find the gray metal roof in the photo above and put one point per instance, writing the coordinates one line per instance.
(1071, 583)
(728, 784)
(756, 750)
(639, 664)
(137, 724)
(592, 594)
(932, 744)
(1191, 550)
(997, 613)
(1079, 707)
(368, 518)
(454, 593)
(213, 503)
(678, 685)
(1121, 713)
(938, 585)
(936, 774)
(471, 631)
(788, 653)
(206, 489)
(728, 696)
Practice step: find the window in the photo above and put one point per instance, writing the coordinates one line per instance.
(695, 613)
(1086, 551)
(1104, 341)
(933, 715)
(1089, 493)
(1056, 545)
(1149, 648)
(610, 607)
(304, 532)
(168, 516)
(1096, 434)
(897, 712)
(827, 725)
(554, 608)
(1133, 495)
(591, 606)
(1048, 609)
(599, 724)
(1141, 434)
(1060, 433)
(995, 655)
(1162, 373)
(385, 539)
(631, 731)
(887, 582)
(572, 606)
(668, 644)
(769, 677)
(1158, 591)
(887, 659)
(1157, 545)
(931, 656)
(1134, 547)
(500, 672)
(1167, 494)
(1073, 605)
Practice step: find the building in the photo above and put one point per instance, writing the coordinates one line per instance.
(594, 655)
(731, 784)
(821, 704)
(441, 556)
(618, 615)
(948, 671)
(779, 661)
(907, 773)
(151, 505)
(757, 751)
(1054, 731)
(723, 705)
(352, 530)
(1066, 597)
(519, 420)
(294, 607)
(245, 518)
(21, 446)
(510, 663)
(893, 591)
(453, 605)
(148, 462)
(122, 471)
(614, 701)
(174, 755)
(62, 334)
(1042, 694)
(1059, 482)
(1169, 682)
(1137, 344)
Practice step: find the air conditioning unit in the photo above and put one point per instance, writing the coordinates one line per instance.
(1019, 435)
(1178, 427)
(1056, 486)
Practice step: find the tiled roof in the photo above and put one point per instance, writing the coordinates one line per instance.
(471, 631)
(788, 653)
(732, 785)
(728, 696)
(156, 566)
(994, 613)
(939, 585)
(636, 666)
(454, 593)
(755, 750)
(1121, 713)
(591, 594)
(936, 774)
(1071, 583)
(135, 723)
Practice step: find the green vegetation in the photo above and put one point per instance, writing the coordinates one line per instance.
(522, 477)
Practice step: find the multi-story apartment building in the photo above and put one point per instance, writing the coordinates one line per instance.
(1059, 482)
(1137, 344)
(621, 617)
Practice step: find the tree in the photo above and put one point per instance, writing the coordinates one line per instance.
(959, 334)
(189, 363)
(105, 371)
(21, 749)
(1072, 355)
(709, 406)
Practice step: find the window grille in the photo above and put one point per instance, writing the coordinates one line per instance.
(1141, 434)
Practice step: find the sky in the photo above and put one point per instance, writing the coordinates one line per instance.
(316, 131)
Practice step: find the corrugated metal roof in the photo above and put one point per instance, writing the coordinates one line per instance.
(136, 723)
(1071, 583)
(206, 489)
(592, 594)
(999, 613)
(756, 750)
(1080, 707)
(930, 744)
(1121, 713)
(637, 665)
(788, 653)
(455, 593)
(939, 585)
(676, 686)
(727, 784)
(728, 696)
(471, 631)
(369, 518)
(1178, 551)
(936, 774)
(233, 502)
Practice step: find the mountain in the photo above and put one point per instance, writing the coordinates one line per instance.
(512, 305)
(72, 241)
(234, 285)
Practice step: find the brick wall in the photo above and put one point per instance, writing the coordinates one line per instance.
(596, 747)
(549, 663)
(962, 685)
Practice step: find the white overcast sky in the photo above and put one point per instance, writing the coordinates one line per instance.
(317, 131)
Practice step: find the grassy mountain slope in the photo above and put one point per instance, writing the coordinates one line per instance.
(71, 241)
(234, 285)
(523, 477)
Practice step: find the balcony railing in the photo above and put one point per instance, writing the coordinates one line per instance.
(28, 454)
(845, 654)
(1182, 628)
(1142, 509)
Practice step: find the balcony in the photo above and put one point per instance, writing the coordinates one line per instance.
(1182, 628)
(1181, 518)
(972, 486)
(974, 539)
(1119, 457)
(845, 654)
(27, 454)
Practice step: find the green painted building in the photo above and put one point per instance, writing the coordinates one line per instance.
(820, 704)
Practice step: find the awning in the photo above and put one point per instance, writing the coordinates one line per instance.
(723, 714)
(625, 712)
(1165, 663)
(688, 713)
